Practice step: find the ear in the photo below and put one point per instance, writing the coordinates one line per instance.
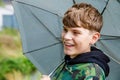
(95, 37)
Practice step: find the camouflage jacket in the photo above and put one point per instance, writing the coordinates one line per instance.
(83, 71)
(91, 65)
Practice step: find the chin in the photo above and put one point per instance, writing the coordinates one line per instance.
(68, 53)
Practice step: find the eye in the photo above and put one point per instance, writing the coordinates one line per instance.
(76, 32)
(65, 30)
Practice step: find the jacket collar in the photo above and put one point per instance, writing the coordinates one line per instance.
(95, 56)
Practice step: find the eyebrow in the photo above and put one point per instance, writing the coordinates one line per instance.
(75, 29)
(79, 31)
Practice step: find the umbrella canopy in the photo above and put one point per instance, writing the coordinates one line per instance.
(40, 27)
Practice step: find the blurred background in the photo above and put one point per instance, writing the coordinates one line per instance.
(13, 64)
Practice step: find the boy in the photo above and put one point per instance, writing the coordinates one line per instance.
(82, 25)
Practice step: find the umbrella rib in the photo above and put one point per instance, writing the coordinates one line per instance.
(105, 7)
(44, 26)
(74, 1)
(41, 48)
(37, 7)
(41, 21)
(115, 38)
(110, 37)
(118, 1)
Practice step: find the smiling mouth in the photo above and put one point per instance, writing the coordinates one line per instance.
(68, 45)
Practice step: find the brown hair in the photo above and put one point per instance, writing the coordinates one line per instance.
(83, 15)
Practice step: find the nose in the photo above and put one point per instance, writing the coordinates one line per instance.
(67, 36)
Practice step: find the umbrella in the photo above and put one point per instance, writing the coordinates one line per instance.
(40, 28)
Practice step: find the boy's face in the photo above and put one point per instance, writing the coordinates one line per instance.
(76, 41)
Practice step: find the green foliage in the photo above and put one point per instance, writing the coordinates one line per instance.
(1, 3)
(20, 64)
(11, 57)
(9, 31)
(27, 66)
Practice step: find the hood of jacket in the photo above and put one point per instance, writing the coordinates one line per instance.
(95, 56)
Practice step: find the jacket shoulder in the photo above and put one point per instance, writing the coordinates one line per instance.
(87, 71)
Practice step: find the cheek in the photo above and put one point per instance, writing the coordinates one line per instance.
(62, 35)
(77, 42)
(82, 41)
